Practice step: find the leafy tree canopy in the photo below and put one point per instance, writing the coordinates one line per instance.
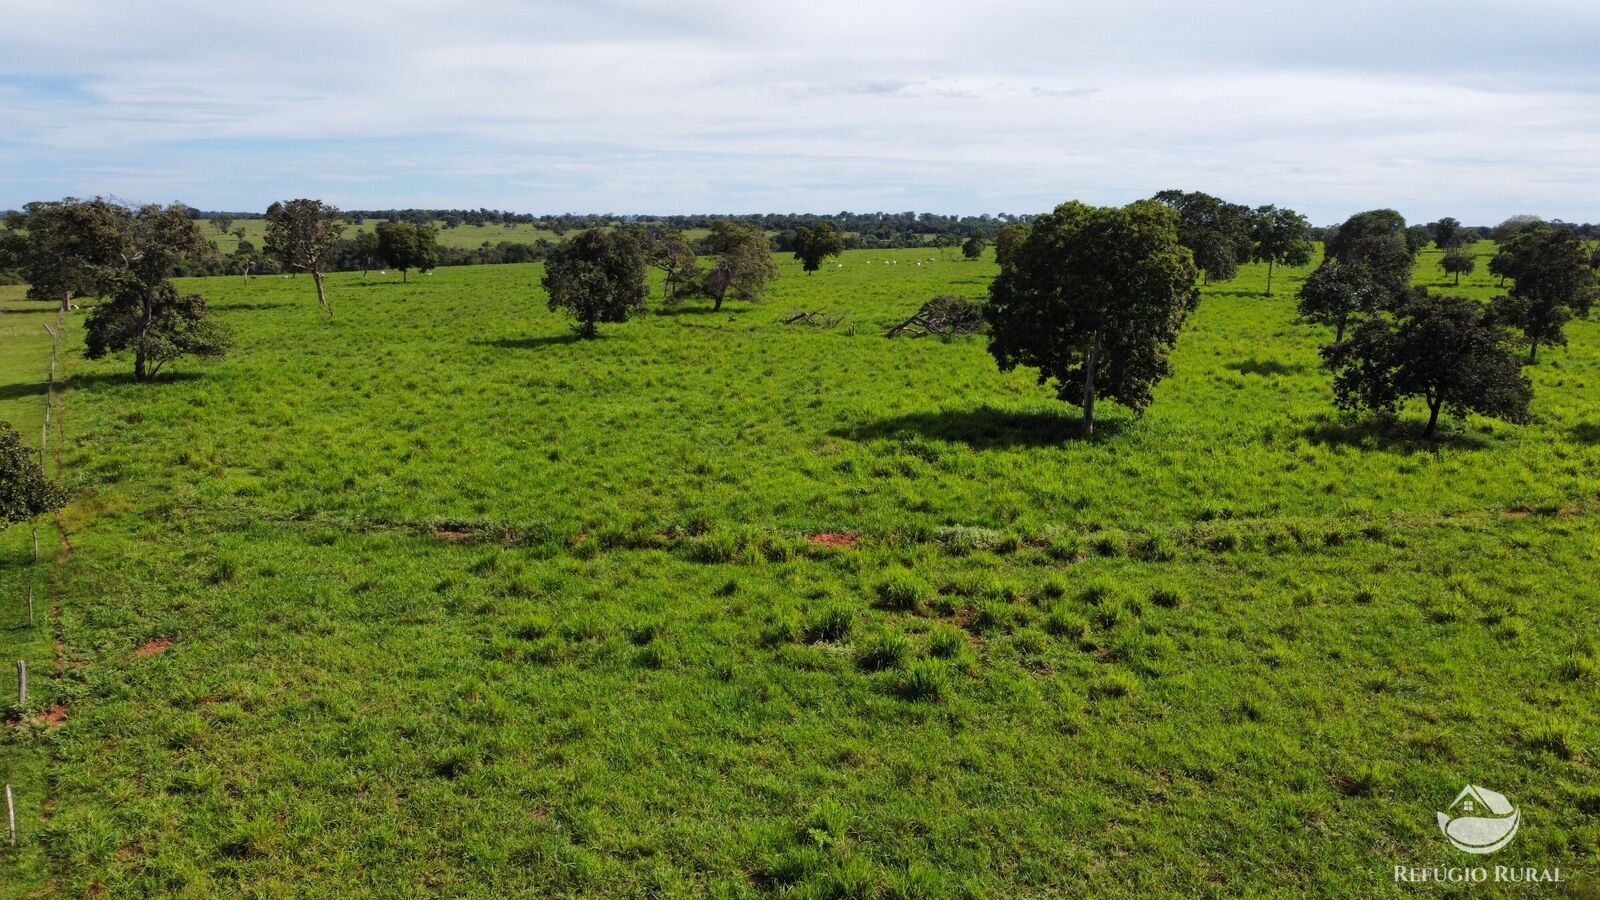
(25, 492)
(1446, 351)
(597, 276)
(1094, 298)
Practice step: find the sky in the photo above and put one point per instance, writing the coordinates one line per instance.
(1478, 110)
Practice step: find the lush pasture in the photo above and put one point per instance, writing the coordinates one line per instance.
(459, 604)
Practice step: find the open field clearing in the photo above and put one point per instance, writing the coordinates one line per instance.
(438, 599)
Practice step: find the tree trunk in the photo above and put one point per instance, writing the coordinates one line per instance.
(1433, 416)
(1533, 352)
(405, 276)
(1091, 359)
(718, 306)
(589, 331)
(1338, 337)
(1458, 279)
(1270, 262)
(66, 302)
(139, 362)
(322, 295)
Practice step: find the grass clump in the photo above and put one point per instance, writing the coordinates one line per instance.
(902, 590)
(883, 649)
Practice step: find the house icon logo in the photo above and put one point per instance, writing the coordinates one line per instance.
(1480, 820)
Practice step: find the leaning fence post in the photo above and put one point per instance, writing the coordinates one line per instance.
(30, 606)
(22, 683)
(11, 816)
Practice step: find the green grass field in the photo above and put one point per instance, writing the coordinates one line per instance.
(438, 600)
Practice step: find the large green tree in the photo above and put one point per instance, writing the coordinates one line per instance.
(25, 492)
(145, 313)
(673, 254)
(814, 244)
(1551, 282)
(1281, 237)
(1448, 233)
(70, 245)
(305, 234)
(1376, 240)
(1458, 261)
(1094, 298)
(1338, 292)
(406, 246)
(1218, 233)
(1445, 350)
(744, 262)
(597, 276)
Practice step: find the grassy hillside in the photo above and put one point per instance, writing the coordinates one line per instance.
(437, 599)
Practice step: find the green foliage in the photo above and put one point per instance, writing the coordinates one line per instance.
(1448, 234)
(1094, 299)
(814, 244)
(145, 314)
(743, 265)
(304, 235)
(1376, 241)
(1552, 282)
(25, 492)
(1338, 292)
(1444, 350)
(1280, 237)
(973, 247)
(1458, 262)
(597, 276)
(1219, 234)
(406, 246)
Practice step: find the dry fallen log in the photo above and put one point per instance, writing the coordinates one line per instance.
(947, 317)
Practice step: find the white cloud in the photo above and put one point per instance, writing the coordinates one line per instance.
(702, 106)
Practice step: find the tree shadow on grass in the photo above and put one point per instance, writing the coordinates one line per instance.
(534, 343)
(1587, 433)
(92, 380)
(692, 309)
(248, 307)
(1254, 366)
(1376, 433)
(23, 389)
(985, 428)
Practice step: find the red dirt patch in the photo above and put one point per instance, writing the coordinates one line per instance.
(1518, 513)
(836, 541)
(52, 716)
(453, 537)
(152, 648)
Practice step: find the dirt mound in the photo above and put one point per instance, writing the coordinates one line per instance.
(152, 648)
